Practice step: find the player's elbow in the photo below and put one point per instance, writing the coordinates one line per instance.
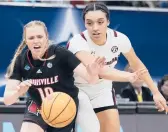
(7, 100)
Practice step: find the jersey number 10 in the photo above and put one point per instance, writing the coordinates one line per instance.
(44, 92)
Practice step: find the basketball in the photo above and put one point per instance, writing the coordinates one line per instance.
(58, 109)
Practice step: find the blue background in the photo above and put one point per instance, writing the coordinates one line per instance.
(148, 32)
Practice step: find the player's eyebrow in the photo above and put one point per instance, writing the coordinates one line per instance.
(97, 19)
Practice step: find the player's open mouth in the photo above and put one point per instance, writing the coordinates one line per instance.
(96, 33)
(37, 47)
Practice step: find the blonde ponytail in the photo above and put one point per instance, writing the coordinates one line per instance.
(13, 61)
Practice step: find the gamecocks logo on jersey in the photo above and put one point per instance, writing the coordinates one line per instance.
(33, 108)
(114, 49)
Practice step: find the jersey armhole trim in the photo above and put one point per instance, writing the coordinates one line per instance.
(83, 36)
(115, 33)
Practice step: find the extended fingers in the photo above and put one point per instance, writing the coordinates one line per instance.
(100, 60)
(26, 83)
(133, 77)
(164, 105)
(159, 106)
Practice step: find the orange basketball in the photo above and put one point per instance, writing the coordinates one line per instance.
(58, 109)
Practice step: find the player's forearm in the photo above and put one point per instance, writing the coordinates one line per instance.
(148, 80)
(83, 72)
(92, 79)
(11, 97)
(115, 75)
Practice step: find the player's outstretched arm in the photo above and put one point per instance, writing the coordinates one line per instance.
(135, 63)
(122, 76)
(108, 73)
(91, 71)
(14, 89)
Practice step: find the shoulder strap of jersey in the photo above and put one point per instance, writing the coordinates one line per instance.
(83, 36)
(51, 50)
(23, 58)
(115, 33)
(67, 45)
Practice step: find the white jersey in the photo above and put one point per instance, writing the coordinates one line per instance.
(116, 43)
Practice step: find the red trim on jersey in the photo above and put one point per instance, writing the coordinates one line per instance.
(67, 46)
(113, 95)
(83, 36)
(29, 59)
(46, 54)
(115, 33)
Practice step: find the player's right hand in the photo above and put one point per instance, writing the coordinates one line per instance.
(24, 86)
(160, 102)
(95, 67)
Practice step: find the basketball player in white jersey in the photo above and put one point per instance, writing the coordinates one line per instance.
(99, 40)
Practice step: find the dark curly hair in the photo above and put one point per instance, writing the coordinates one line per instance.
(161, 83)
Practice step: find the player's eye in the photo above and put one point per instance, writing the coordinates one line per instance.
(31, 38)
(89, 23)
(100, 22)
(39, 36)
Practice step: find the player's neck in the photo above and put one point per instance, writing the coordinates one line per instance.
(37, 57)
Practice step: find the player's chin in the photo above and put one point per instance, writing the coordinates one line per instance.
(96, 37)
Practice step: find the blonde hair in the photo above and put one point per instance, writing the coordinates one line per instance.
(23, 45)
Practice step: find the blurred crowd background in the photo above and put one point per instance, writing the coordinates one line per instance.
(129, 3)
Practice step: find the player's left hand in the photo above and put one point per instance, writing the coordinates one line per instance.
(95, 67)
(160, 102)
(135, 76)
